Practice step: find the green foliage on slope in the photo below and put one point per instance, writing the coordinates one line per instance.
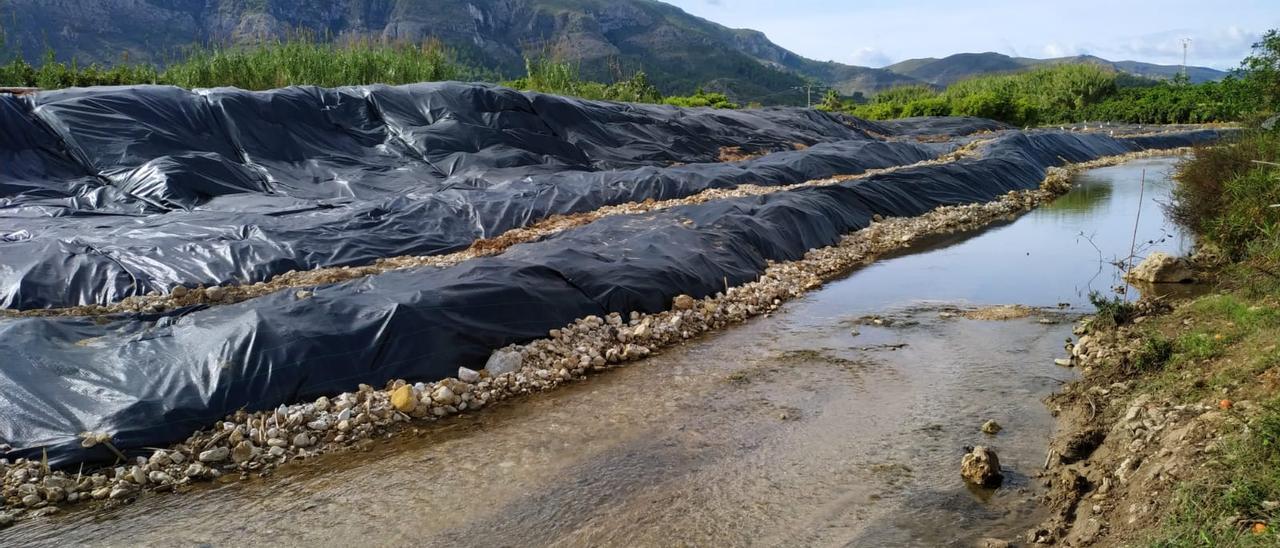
(1063, 94)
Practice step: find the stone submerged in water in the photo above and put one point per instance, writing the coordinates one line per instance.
(991, 427)
(1161, 268)
(981, 467)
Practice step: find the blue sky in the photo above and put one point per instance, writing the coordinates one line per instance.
(880, 32)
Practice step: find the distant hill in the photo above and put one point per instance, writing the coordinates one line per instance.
(678, 51)
(953, 68)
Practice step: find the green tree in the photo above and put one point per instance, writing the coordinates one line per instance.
(831, 102)
(1261, 71)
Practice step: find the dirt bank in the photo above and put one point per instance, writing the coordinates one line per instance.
(1161, 438)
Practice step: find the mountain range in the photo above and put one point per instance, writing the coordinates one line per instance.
(678, 51)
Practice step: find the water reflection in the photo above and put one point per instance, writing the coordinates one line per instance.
(1086, 198)
(1055, 254)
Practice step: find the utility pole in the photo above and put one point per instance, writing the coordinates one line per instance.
(1186, 43)
(808, 91)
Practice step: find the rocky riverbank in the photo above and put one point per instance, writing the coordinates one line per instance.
(246, 444)
(1153, 435)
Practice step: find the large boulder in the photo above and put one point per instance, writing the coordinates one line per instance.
(1161, 268)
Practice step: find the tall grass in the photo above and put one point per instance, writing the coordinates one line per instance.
(53, 75)
(547, 75)
(280, 63)
(301, 61)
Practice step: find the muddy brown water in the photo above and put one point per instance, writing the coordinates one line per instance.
(789, 430)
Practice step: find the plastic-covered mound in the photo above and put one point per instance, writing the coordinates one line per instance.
(111, 192)
(151, 380)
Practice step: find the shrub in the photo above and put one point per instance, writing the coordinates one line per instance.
(1152, 355)
(927, 106)
(1111, 311)
(1064, 94)
(702, 99)
(1225, 196)
(561, 78)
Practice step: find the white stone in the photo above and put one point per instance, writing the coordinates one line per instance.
(217, 454)
(502, 362)
(469, 376)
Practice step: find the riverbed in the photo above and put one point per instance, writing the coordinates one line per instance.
(839, 420)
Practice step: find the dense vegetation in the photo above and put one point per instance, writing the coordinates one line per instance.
(270, 65)
(1048, 95)
(1061, 94)
(1229, 196)
(303, 61)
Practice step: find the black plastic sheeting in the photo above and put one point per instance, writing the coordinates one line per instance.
(111, 192)
(152, 380)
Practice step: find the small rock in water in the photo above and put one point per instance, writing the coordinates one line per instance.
(994, 543)
(217, 454)
(6, 519)
(469, 376)
(991, 427)
(1064, 362)
(503, 361)
(981, 467)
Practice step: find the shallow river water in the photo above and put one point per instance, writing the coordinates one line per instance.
(789, 430)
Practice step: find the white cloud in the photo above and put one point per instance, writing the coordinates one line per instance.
(870, 57)
(1222, 46)
(1055, 49)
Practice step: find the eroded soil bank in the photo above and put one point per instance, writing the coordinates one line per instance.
(790, 429)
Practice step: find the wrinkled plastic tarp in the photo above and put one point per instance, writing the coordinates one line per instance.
(111, 192)
(151, 380)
